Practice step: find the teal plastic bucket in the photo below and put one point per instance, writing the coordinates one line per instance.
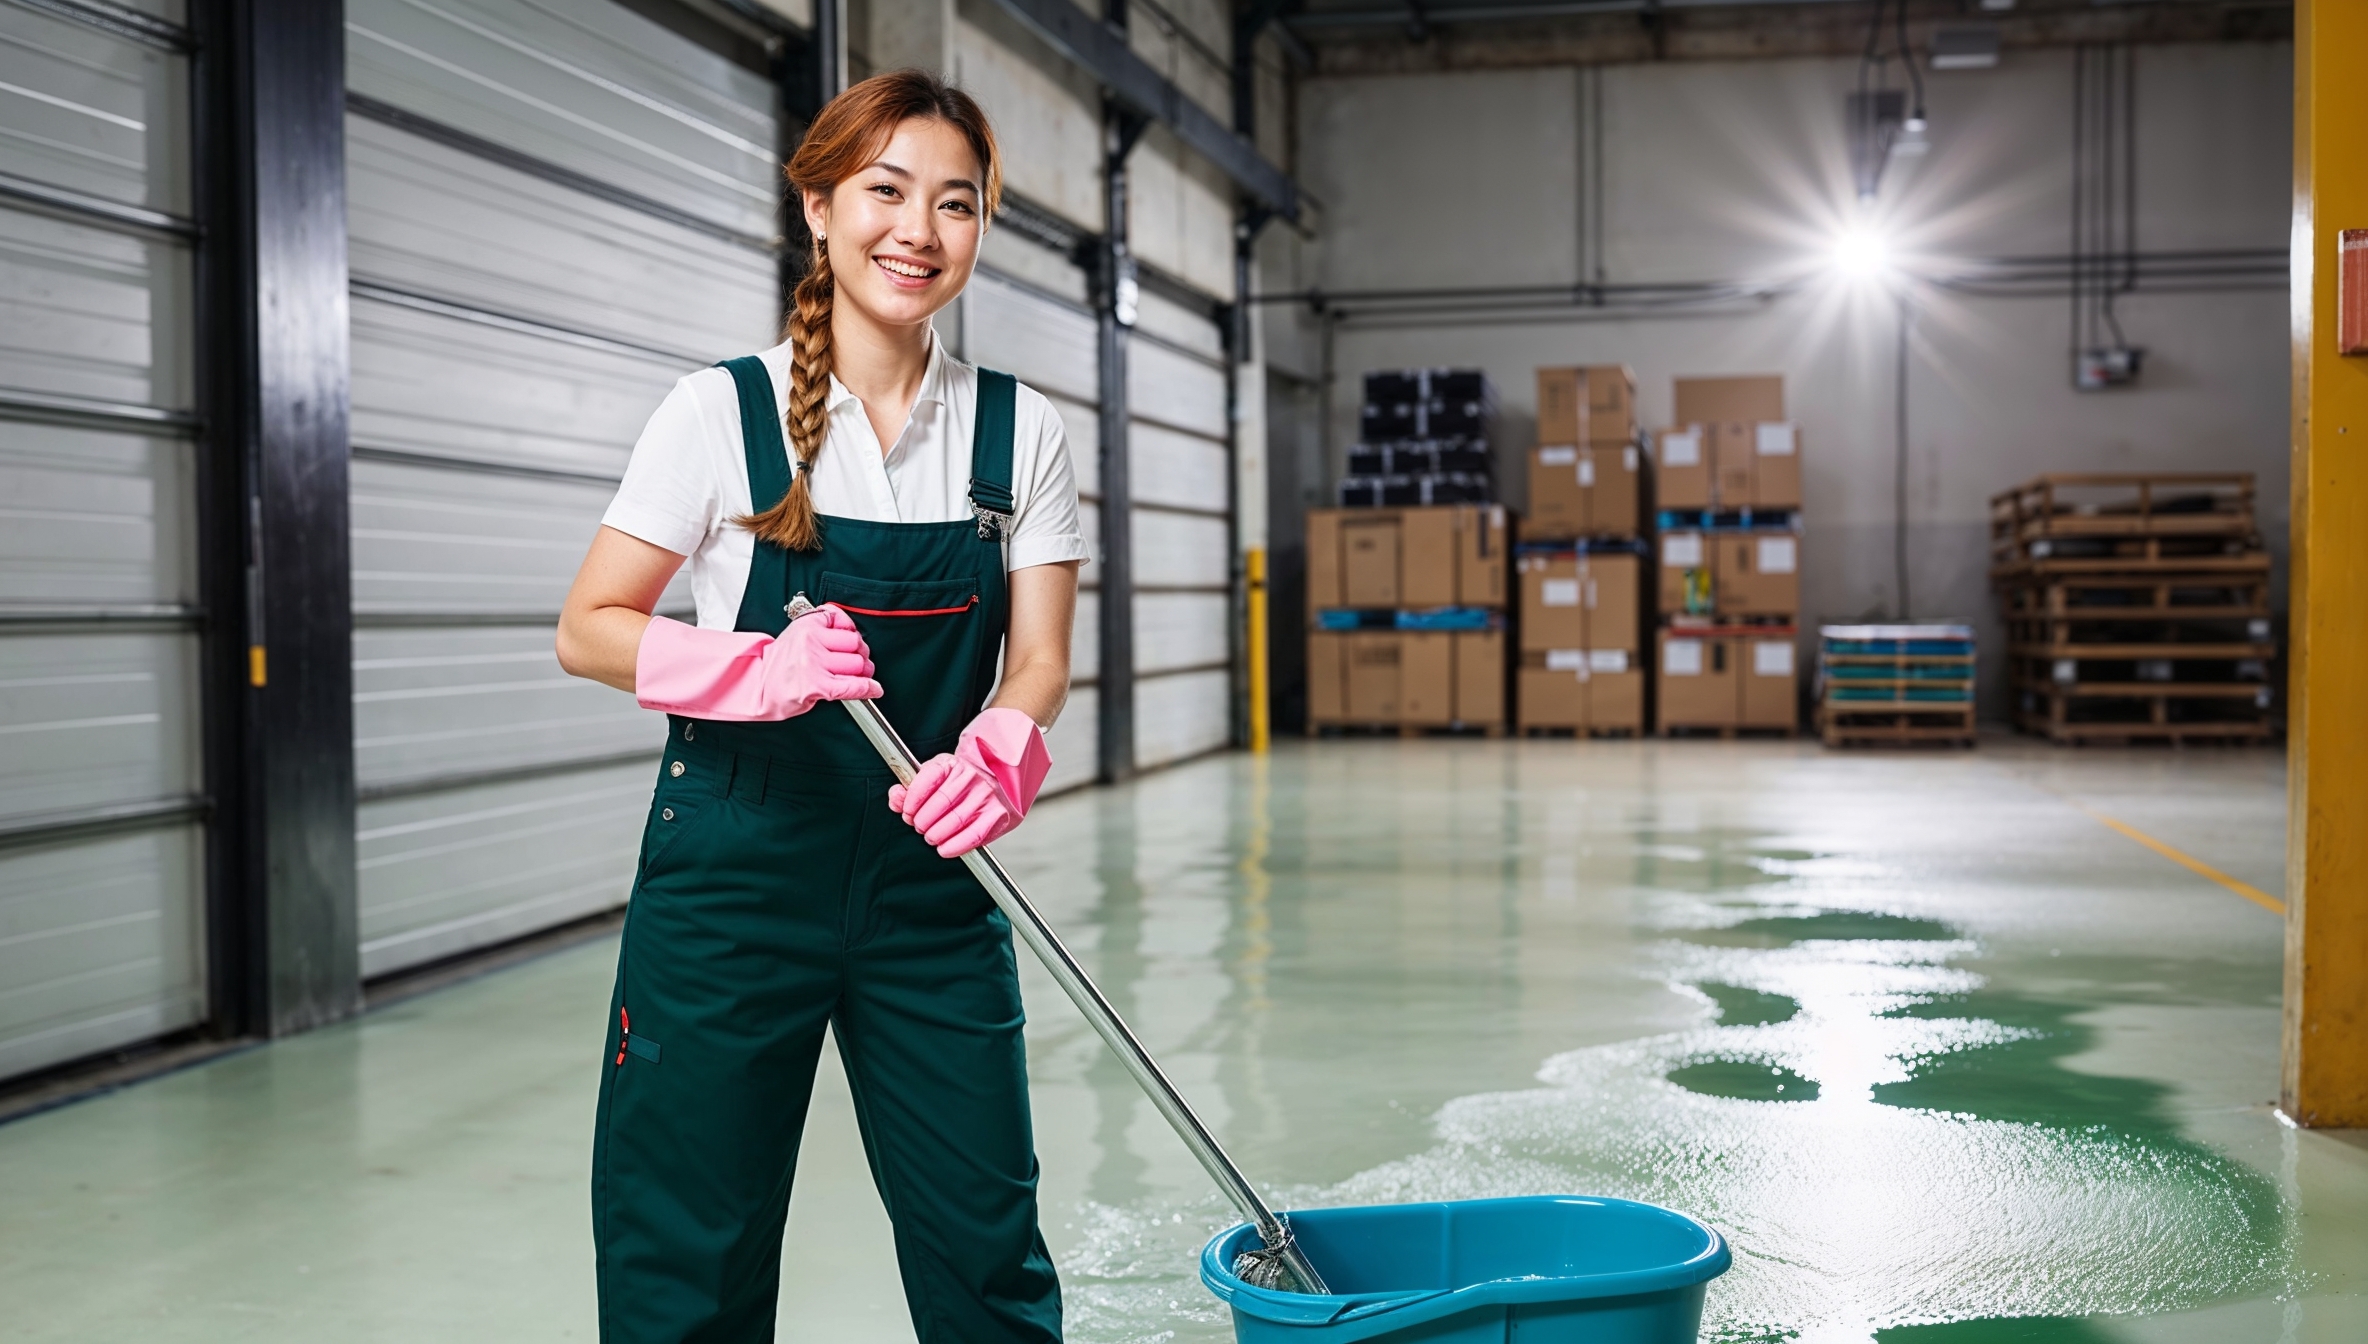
(1546, 1269)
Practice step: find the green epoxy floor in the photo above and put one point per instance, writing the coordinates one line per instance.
(1948, 1060)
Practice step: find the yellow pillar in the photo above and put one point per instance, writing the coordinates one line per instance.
(1254, 645)
(2325, 1080)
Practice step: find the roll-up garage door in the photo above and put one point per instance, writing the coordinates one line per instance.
(1181, 477)
(1041, 331)
(101, 850)
(557, 208)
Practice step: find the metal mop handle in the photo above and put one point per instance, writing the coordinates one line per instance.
(1088, 998)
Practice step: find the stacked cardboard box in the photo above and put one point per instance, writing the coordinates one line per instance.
(1582, 559)
(1423, 439)
(1727, 483)
(1406, 617)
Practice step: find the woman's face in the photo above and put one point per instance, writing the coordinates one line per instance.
(903, 233)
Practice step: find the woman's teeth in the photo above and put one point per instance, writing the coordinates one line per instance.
(904, 269)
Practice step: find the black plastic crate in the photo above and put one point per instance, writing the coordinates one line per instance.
(1394, 386)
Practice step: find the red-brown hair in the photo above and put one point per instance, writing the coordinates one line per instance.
(847, 136)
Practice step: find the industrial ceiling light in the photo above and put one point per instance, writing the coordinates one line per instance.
(1862, 253)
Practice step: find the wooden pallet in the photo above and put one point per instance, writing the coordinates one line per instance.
(1566, 731)
(2141, 710)
(1874, 722)
(1725, 732)
(2121, 508)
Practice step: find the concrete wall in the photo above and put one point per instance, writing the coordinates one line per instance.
(1739, 171)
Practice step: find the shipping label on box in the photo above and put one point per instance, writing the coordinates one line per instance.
(1600, 661)
(1566, 660)
(1776, 555)
(1681, 657)
(1681, 447)
(1771, 657)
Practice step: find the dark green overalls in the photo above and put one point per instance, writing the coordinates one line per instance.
(778, 892)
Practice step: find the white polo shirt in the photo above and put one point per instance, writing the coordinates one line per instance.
(689, 474)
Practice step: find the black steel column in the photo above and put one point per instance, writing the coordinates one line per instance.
(1114, 305)
(276, 372)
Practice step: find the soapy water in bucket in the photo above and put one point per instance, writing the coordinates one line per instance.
(1848, 1213)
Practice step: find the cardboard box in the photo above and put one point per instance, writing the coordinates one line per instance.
(1687, 582)
(1372, 679)
(1756, 573)
(1369, 554)
(1731, 459)
(1426, 678)
(1616, 700)
(1612, 478)
(1553, 603)
(1776, 464)
(1553, 689)
(1484, 552)
(1557, 494)
(1681, 467)
(1611, 589)
(1426, 558)
(1705, 400)
(1596, 404)
(1766, 668)
(1480, 676)
(1327, 676)
(1415, 558)
(1695, 681)
(1581, 688)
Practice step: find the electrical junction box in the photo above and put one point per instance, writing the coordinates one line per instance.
(2108, 366)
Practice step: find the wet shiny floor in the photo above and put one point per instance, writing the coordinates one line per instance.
(1949, 1059)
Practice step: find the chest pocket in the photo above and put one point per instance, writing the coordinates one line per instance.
(911, 600)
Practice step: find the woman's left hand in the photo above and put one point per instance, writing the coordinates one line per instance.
(979, 791)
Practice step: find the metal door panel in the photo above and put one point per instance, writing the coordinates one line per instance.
(447, 388)
(432, 220)
(92, 112)
(1179, 630)
(442, 702)
(1169, 320)
(93, 313)
(89, 517)
(432, 540)
(462, 868)
(1047, 345)
(89, 719)
(1081, 432)
(586, 84)
(1175, 389)
(1179, 549)
(1184, 471)
(100, 945)
(1182, 715)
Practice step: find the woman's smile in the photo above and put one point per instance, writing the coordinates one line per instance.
(906, 273)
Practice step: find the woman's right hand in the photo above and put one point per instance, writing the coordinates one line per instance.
(742, 677)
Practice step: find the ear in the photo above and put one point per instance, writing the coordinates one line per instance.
(817, 209)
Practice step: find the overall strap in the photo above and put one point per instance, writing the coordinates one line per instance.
(990, 453)
(760, 432)
(768, 482)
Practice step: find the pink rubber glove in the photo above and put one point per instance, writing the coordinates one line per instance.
(750, 678)
(980, 790)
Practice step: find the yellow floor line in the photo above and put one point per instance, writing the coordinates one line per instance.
(2195, 865)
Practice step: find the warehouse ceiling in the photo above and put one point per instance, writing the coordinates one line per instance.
(1359, 37)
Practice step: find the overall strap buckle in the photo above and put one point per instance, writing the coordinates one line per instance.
(993, 524)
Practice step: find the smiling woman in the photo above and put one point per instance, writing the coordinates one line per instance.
(786, 883)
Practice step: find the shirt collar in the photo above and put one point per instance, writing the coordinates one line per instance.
(933, 381)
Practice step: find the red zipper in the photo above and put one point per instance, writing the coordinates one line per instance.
(933, 611)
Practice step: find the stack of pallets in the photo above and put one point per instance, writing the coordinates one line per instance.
(2136, 605)
(1893, 684)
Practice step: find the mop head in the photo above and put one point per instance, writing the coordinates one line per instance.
(1269, 1268)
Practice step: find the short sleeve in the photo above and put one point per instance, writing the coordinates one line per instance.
(669, 496)
(1046, 530)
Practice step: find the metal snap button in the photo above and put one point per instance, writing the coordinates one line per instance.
(675, 769)
(666, 814)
